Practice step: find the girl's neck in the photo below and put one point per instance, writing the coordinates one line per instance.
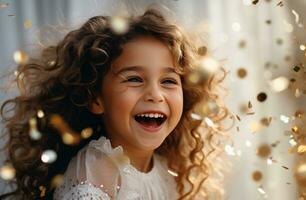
(140, 159)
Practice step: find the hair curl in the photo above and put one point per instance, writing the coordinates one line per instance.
(67, 78)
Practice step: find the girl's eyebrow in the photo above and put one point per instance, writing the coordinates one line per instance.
(140, 68)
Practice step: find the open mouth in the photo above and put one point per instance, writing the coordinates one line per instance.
(151, 119)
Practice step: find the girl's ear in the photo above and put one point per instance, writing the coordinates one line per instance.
(96, 106)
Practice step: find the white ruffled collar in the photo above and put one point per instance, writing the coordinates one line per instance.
(117, 155)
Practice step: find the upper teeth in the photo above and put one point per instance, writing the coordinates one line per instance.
(152, 115)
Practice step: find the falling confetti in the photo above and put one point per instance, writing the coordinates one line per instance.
(297, 18)
(7, 172)
(20, 57)
(86, 133)
(301, 149)
(261, 97)
(302, 47)
(279, 84)
(40, 114)
(241, 72)
(202, 51)
(242, 44)
(263, 151)
(42, 191)
(255, 2)
(172, 173)
(280, 4)
(285, 119)
(119, 25)
(236, 27)
(34, 133)
(257, 176)
(27, 24)
(48, 156)
(57, 181)
(300, 174)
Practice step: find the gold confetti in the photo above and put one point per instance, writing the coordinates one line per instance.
(266, 121)
(202, 51)
(86, 133)
(27, 24)
(250, 104)
(7, 172)
(268, 21)
(241, 72)
(173, 173)
(300, 174)
(242, 44)
(299, 114)
(261, 97)
(257, 176)
(34, 133)
(48, 156)
(69, 137)
(285, 167)
(280, 4)
(255, 2)
(302, 47)
(20, 57)
(263, 151)
(279, 84)
(119, 25)
(40, 114)
(57, 181)
(295, 129)
(42, 191)
(301, 149)
(238, 117)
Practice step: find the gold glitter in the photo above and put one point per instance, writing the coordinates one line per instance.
(261, 97)
(7, 172)
(242, 44)
(300, 174)
(257, 175)
(299, 114)
(238, 117)
(119, 25)
(255, 2)
(285, 167)
(241, 72)
(250, 104)
(40, 114)
(266, 121)
(263, 151)
(295, 129)
(301, 149)
(202, 51)
(302, 47)
(27, 24)
(69, 138)
(48, 156)
(86, 133)
(20, 57)
(280, 4)
(42, 191)
(57, 181)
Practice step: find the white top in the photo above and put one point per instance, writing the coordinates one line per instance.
(102, 172)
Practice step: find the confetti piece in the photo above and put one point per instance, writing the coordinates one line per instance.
(285, 167)
(285, 119)
(261, 97)
(237, 128)
(33, 132)
(40, 114)
(209, 122)
(299, 114)
(27, 24)
(20, 57)
(297, 18)
(202, 51)
(242, 44)
(279, 84)
(241, 72)
(263, 150)
(261, 191)
(230, 150)
(292, 142)
(119, 25)
(279, 41)
(302, 47)
(48, 156)
(300, 174)
(280, 4)
(250, 104)
(7, 172)
(238, 117)
(295, 129)
(172, 173)
(268, 21)
(301, 149)
(266, 121)
(42, 191)
(195, 116)
(57, 181)
(257, 176)
(255, 2)
(86, 133)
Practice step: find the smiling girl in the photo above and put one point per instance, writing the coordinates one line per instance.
(133, 91)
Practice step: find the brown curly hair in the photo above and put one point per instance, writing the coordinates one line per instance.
(65, 79)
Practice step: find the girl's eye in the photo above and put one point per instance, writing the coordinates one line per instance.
(134, 79)
(169, 81)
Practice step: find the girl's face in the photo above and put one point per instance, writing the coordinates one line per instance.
(142, 95)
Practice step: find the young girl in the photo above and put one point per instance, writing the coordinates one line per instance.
(121, 111)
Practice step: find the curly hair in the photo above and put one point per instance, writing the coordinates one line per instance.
(66, 78)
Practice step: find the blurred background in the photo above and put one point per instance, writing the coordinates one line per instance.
(261, 43)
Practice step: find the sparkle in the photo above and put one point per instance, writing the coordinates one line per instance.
(20, 57)
(236, 27)
(279, 84)
(48, 156)
(7, 172)
(40, 114)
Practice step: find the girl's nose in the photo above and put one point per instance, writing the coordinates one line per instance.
(153, 94)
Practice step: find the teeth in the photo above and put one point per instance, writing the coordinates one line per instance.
(151, 115)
